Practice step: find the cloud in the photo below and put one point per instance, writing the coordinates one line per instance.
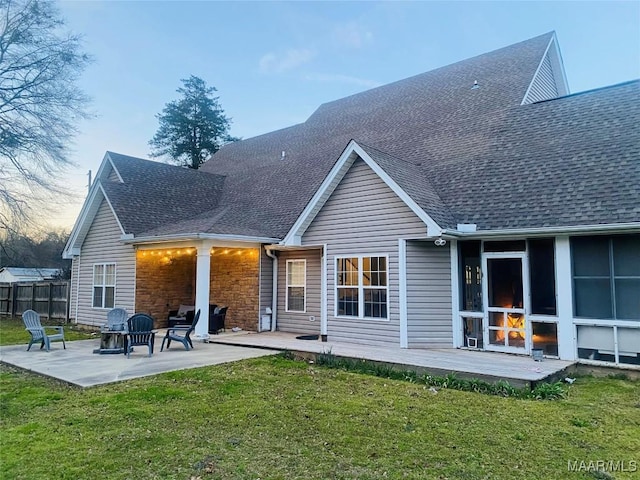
(281, 62)
(352, 35)
(339, 78)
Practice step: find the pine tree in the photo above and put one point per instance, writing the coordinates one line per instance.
(193, 127)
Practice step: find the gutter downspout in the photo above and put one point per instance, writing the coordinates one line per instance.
(274, 282)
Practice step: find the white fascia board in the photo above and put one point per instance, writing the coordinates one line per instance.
(337, 173)
(122, 232)
(556, 61)
(85, 218)
(106, 160)
(346, 159)
(433, 229)
(223, 240)
(557, 66)
(86, 214)
(535, 75)
(70, 253)
(633, 227)
(295, 248)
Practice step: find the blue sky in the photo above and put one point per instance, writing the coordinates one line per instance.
(274, 63)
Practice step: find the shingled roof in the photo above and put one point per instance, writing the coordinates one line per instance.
(153, 193)
(463, 154)
(412, 119)
(559, 163)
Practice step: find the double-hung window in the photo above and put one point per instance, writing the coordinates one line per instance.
(296, 285)
(104, 285)
(361, 287)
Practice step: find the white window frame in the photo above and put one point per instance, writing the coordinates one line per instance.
(604, 324)
(360, 287)
(289, 285)
(104, 284)
(612, 277)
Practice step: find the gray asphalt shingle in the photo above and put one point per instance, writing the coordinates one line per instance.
(463, 155)
(155, 194)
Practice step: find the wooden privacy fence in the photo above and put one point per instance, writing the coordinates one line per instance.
(49, 299)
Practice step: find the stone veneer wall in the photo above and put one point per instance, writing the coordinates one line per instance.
(235, 284)
(163, 283)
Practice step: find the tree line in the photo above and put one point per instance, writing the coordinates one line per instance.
(35, 251)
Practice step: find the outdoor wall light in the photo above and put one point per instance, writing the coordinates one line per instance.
(440, 242)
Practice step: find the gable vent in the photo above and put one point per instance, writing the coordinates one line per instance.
(543, 86)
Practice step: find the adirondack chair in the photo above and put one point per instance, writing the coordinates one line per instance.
(140, 333)
(181, 334)
(32, 324)
(116, 320)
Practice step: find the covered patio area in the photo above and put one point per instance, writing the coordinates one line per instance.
(518, 370)
(200, 275)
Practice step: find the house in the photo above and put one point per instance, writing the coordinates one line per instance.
(478, 205)
(18, 274)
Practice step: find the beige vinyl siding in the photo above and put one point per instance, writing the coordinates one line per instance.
(73, 296)
(429, 322)
(543, 86)
(102, 245)
(363, 216)
(266, 281)
(297, 322)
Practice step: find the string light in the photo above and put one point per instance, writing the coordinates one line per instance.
(190, 251)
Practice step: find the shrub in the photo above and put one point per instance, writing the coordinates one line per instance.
(502, 388)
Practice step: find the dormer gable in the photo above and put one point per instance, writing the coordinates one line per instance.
(549, 80)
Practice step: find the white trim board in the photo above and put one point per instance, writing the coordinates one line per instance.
(351, 153)
(101, 173)
(85, 219)
(402, 292)
(361, 287)
(291, 261)
(557, 66)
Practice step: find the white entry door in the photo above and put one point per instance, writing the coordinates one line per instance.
(505, 290)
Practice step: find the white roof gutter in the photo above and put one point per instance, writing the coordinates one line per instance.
(130, 239)
(545, 231)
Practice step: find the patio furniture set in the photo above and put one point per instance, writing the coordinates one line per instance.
(120, 334)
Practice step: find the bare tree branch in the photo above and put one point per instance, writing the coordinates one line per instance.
(40, 104)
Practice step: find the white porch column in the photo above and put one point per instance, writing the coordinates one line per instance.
(456, 322)
(203, 280)
(566, 340)
(323, 294)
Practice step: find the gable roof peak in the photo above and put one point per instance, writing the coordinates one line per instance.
(520, 60)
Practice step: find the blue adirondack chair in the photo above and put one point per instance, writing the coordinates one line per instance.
(140, 333)
(32, 324)
(181, 334)
(116, 320)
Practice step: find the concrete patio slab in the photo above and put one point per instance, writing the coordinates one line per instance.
(519, 370)
(79, 366)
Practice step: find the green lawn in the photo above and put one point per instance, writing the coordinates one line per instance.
(12, 331)
(276, 418)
